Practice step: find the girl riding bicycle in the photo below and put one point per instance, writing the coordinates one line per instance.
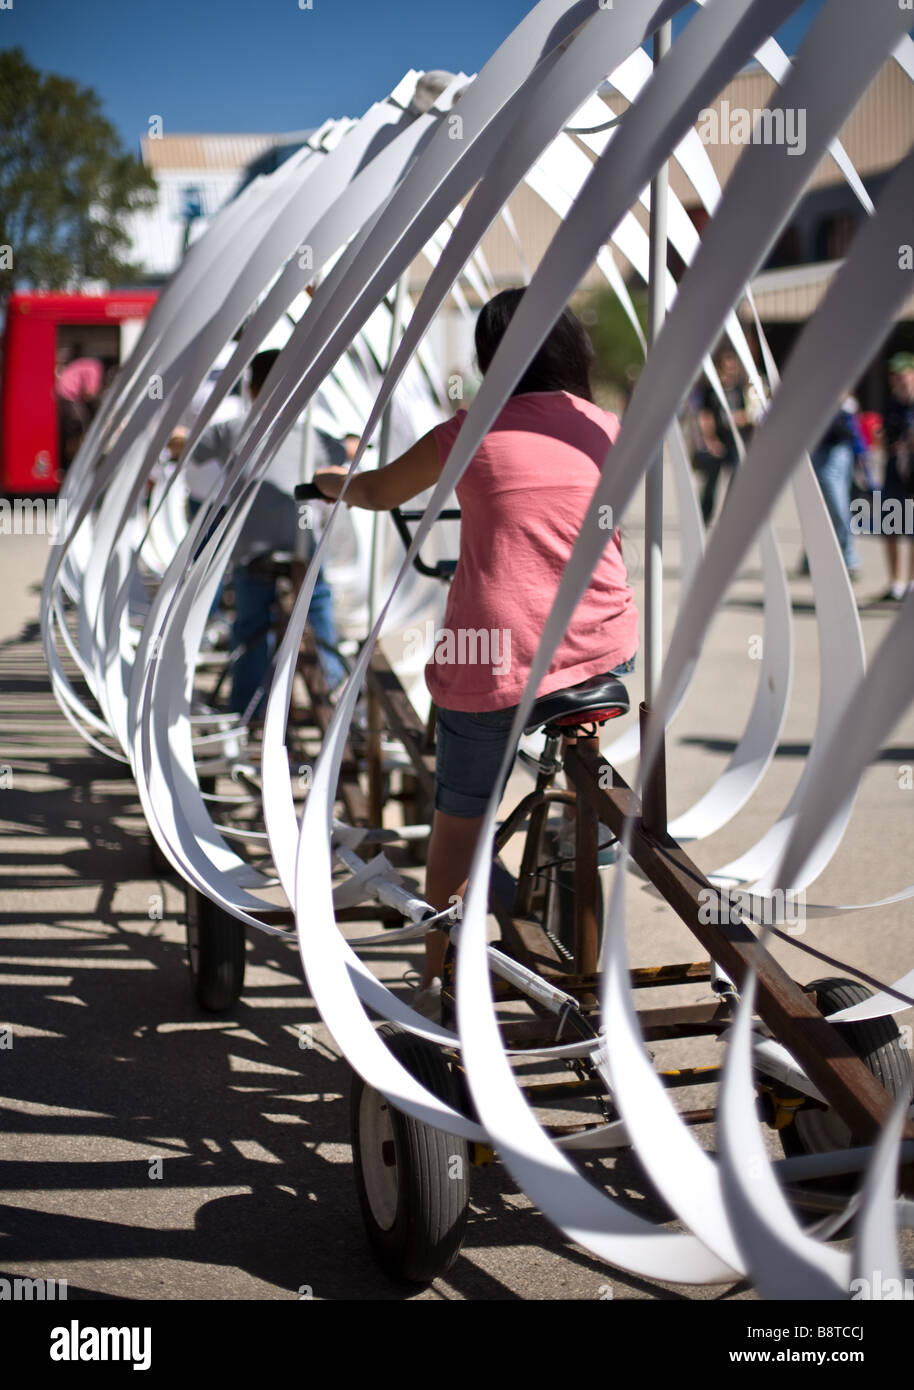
(523, 498)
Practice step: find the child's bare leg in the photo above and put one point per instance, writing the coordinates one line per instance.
(450, 853)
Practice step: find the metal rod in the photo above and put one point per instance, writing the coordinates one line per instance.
(586, 879)
(653, 487)
(806, 1166)
(396, 328)
(653, 806)
(307, 468)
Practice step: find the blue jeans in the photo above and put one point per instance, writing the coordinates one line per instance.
(469, 750)
(255, 595)
(834, 468)
(193, 506)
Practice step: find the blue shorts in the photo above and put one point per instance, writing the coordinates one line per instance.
(469, 750)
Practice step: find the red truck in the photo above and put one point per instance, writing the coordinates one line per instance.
(40, 330)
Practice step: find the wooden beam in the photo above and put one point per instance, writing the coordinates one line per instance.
(350, 790)
(826, 1057)
(402, 719)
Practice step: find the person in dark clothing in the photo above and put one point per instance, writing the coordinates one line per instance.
(898, 486)
(717, 447)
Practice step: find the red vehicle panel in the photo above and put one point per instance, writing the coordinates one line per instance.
(37, 325)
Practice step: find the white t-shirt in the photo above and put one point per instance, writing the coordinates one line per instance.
(273, 521)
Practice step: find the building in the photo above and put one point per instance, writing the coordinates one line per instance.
(789, 287)
(196, 175)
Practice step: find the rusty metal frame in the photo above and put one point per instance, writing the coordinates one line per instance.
(789, 1012)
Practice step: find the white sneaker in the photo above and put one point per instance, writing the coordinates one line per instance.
(427, 1002)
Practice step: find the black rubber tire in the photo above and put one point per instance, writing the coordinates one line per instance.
(215, 953)
(876, 1041)
(413, 1181)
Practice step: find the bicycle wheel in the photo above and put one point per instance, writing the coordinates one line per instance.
(412, 1180)
(877, 1042)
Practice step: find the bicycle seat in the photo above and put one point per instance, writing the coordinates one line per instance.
(592, 702)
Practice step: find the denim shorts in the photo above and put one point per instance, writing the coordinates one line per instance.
(469, 750)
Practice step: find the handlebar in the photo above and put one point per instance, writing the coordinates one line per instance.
(442, 569)
(309, 492)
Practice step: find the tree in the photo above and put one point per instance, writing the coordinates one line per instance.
(615, 342)
(65, 183)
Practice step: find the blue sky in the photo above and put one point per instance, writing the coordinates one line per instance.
(258, 65)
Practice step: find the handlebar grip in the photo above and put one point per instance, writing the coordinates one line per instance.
(309, 492)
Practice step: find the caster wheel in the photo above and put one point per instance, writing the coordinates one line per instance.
(412, 1180)
(877, 1042)
(215, 953)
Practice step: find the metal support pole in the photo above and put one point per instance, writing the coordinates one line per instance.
(396, 329)
(307, 472)
(654, 799)
(586, 877)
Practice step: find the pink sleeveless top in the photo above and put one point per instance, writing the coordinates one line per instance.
(523, 499)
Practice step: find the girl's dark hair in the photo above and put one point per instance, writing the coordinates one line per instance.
(563, 361)
(260, 367)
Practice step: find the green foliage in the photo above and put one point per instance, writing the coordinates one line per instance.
(614, 339)
(65, 182)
